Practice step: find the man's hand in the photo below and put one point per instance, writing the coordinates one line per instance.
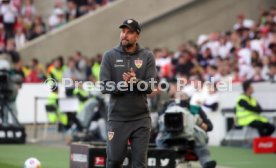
(126, 77)
(132, 73)
(129, 76)
(204, 126)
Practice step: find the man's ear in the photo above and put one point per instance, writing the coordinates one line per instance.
(137, 37)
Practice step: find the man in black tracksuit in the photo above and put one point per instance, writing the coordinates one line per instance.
(127, 72)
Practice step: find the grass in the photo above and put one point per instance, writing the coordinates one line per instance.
(242, 158)
(13, 156)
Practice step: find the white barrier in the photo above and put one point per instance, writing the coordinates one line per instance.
(25, 103)
(264, 92)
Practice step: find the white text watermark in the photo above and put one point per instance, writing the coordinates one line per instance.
(152, 84)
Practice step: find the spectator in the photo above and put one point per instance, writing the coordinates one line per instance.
(20, 38)
(184, 65)
(57, 71)
(235, 39)
(36, 32)
(244, 60)
(73, 11)
(80, 2)
(181, 48)
(96, 68)
(224, 47)
(20, 70)
(11, 51)
(257, 76)
(255, 58)
(165, 64)
(236, 78)
(272, 47)
(272, 72)
(82, 6)
(212, 72)
(9, 13)
(80, 64)
(265, 38)
(2, 38)
(158, 59)
(265, 69)
(92, 5)
(28, 11)
(59, 4)
(36, 74)
(71, 71)
(224, 71)
(17, 4)
(205, 58)
(213, 43)
(20, 23)
(57, 19)
(202, 40)
(38, 28)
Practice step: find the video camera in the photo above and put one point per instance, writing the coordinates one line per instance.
(179, 121)
(173, 122)
(6, 86)
(8, 82)
(15, 132)
(178, 130)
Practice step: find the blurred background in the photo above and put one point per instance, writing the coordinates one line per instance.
(196, 40)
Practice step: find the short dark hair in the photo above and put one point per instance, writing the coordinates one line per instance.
(5, 1)
(245, 85)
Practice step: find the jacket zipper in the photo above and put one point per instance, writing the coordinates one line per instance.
(128, 62)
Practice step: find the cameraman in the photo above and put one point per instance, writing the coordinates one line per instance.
(195, 129)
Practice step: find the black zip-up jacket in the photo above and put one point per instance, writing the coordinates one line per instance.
(128, 104)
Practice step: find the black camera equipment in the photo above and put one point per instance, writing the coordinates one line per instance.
(173, 122)
(9, 133)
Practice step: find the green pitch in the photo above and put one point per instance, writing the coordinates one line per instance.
(13, 156)
(242, 158)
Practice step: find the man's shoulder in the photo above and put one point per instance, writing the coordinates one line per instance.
(146, 52)
(110, 53)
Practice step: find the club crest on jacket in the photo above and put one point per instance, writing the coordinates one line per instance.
(138, 63)
(110, 135)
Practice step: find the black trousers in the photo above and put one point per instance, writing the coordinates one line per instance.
(72, 119)
(264, 129)
(118, 134)
(9, 30)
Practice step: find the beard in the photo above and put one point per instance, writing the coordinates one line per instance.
(126, 44)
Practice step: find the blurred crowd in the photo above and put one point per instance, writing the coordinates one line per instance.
(20, 21)
(247, 52)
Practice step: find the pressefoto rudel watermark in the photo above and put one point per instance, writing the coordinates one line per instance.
(152, 84)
